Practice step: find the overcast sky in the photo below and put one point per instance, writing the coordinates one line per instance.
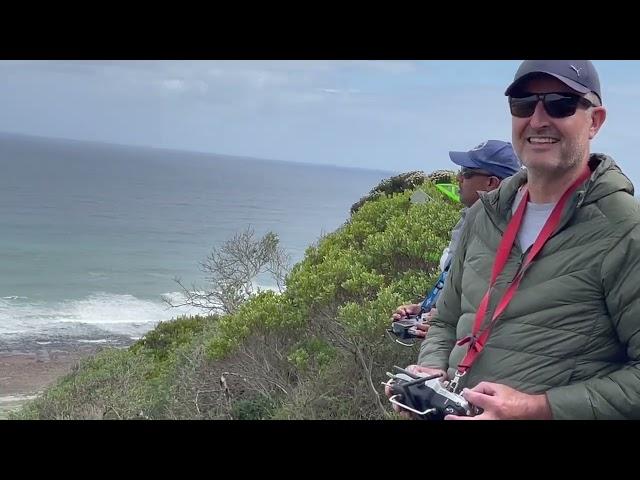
(389, 115)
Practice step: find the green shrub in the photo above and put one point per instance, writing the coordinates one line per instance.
(317, 350)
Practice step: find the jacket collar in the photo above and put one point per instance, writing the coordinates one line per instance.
(606, 178)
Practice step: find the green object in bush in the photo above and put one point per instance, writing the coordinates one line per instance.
(450, 190)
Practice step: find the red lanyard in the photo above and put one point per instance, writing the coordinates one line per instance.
(477, 343)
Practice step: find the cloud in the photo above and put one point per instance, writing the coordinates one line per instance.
(178, 86)
(390, 114)
(216, 83)
(389, 66)
(173, 85)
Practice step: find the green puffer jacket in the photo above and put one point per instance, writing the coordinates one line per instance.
(572, 329)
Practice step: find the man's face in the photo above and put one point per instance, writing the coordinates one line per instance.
(471, 181)
(554, 145)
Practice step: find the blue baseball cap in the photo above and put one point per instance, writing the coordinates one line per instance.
(493, 156)
(579, 75)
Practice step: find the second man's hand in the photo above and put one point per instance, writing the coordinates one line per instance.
(405, 311)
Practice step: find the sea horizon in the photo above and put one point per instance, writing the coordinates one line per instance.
(95, 233)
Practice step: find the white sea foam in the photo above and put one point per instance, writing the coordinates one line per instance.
(118, 314)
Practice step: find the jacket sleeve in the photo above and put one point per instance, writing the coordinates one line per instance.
(441, 336)
(617, 394)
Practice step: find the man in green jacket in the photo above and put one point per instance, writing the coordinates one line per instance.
(540, 314)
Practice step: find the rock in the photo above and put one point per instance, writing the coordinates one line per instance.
(42, 355)
(402, 182)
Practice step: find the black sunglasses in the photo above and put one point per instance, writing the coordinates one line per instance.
(557, 105)
(470, 173)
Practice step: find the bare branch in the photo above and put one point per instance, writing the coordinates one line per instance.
(231, 269)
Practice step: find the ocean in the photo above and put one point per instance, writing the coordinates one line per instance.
(93, 235)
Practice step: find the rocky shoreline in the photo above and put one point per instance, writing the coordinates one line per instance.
(30, 364)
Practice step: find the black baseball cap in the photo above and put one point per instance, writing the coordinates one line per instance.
(579, 75)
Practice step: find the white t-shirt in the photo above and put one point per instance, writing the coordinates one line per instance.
(535, 216)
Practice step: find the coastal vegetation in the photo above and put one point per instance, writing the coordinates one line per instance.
(316, 347)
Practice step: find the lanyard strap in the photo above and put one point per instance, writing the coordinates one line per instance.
(477, 342)
(430, 300)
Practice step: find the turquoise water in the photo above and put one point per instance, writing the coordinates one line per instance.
(92, 235)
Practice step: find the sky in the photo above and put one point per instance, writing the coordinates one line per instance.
(387, 115)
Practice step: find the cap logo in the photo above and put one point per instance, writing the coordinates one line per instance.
(479, 147)
(577, 70)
